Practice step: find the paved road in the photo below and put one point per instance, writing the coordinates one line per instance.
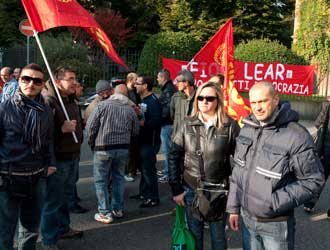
(150, 228)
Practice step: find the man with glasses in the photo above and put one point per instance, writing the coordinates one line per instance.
(149, 141)
(60, 186)
(10, 83)
(182, 101)
(26, 155)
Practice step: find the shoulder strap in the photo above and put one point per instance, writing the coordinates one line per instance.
(199, 153)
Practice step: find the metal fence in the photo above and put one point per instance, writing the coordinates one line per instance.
(106, 69)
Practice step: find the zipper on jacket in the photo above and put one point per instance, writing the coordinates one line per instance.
(251, 167)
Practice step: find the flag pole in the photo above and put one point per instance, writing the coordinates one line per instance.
(35, 34)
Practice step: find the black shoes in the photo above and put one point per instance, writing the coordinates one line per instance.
(78, 209)
(328, 214)
(149, 203)
(72, 234)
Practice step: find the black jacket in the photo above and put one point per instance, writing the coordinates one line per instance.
(14, 152)
(217, 144)
(166, 94)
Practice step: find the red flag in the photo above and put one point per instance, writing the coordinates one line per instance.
(219, 50)
(47, 14)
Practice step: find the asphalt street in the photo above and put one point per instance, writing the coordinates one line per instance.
(150, 228)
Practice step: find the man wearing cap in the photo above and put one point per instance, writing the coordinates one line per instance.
(103, 90)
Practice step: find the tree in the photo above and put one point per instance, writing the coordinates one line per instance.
(113, 24)
(11, 13)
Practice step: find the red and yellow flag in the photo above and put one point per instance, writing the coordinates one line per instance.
(47, 14)
(220, 49)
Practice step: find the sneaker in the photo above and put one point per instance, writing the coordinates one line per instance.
(106, 219)
(328, 214)
(309, 210)
(49, 247)
(163, 179)
(117, 214)
(71, 234)
(149, 203)
(160, 172)
(129, 178)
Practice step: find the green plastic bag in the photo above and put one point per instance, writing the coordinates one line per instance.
(182, 238)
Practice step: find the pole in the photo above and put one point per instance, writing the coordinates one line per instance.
(27, 49)
(35, 33)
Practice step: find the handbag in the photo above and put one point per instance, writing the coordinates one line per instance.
(210, 199)
(320, 134)
(182, 238)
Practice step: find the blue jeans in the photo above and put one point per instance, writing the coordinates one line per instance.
(55, 214)
(165, 136)
(149, 181)
(268, 235)
(25, 211)
(111, 162)
(217, 229)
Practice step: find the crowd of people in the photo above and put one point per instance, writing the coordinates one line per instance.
(266, 168)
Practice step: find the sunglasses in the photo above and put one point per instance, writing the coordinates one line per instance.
(29, 79)
(207, 98)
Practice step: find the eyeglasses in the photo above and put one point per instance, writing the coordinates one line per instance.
(28, 79)
(207, 98)
(70, 80)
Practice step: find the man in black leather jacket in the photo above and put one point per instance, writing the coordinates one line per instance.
(26, 155)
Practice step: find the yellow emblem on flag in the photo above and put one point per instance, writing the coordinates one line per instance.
(65, 1)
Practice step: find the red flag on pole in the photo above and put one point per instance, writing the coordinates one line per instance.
(219, 50)
(47, 14)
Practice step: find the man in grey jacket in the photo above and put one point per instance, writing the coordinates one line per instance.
(275, 170)
(109, 130)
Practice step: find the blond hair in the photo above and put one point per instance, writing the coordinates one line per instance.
(220, 113)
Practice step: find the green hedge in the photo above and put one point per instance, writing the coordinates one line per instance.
(177, 45)
(265, 50)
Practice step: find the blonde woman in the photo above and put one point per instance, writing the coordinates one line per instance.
(217, 141)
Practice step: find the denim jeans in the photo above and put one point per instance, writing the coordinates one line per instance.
(149, 180)
(165, 136)
(25, 212)
(60, 187)
(111, 162)
(269, 235)
(217, 229)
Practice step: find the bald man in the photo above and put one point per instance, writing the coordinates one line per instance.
(109, 131)
(10, 83)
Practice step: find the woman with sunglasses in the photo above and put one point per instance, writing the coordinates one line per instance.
(216, 135)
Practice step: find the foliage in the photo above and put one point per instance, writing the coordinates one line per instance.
(113, 24)
(62, 51)
(11, 13)
(178, 45)
(265, 50)
(313, 35)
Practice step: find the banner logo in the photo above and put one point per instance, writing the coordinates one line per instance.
(65, 1)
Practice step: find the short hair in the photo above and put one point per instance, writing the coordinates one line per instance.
(121, 89)
(265, 84)
(147, 80)
(131, 76)
(60, 72)
(165, 73)
(187, 76)
(9, 69)
(220, 77)
(32, 66)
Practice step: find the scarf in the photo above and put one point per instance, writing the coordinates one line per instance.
(32, 122)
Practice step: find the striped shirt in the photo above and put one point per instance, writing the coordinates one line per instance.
(112, 124)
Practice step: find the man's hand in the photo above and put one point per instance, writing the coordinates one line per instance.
(179, 199)
(69, 126)
(141, 122)
(51, 170)
(233, 222)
